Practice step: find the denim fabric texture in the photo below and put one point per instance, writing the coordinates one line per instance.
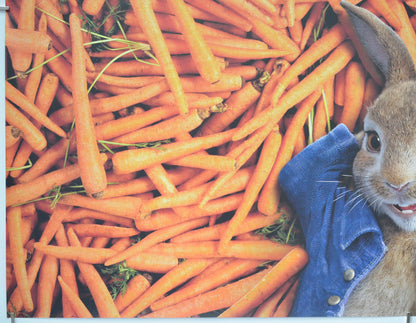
(341, 232)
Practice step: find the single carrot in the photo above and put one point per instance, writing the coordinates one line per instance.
(268, 307)
(13, 135)
(27, 41)
(200, 52)
(47, 280)
(205, 161)
(92, 7)
(166, 129)
(92, 170)
(250, 249)
(14, 220)
(60, 67)
(217, 299)
(124, 206)
(25, 192)
(354, 94)
(25, 22)
(98, 289)
(233, 270)
(292, 263)
(310, 24)
(167, 282)
(236, 104)
(136, 159)
(135, 287)
(76, 303)
(338, 59)
(371, 92)
(324, 110)
(102, 230)
(284, 308)
(10, 154)
(339, 88)
(30, 134)
(144, 13)
(76, 253)
(18, 98)
(157, 237)
(152, 263)
(289, 7)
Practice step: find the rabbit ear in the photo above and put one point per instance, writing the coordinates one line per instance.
(383, 45)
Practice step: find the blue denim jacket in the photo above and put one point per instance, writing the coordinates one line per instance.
(341, 232)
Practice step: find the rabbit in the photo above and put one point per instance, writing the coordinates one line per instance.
(384, 171)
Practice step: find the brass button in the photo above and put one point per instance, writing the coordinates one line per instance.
(349, 275)
(334, 300)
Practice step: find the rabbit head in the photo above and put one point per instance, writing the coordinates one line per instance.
(384, 170)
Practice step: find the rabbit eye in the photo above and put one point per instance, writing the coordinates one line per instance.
(373, 141)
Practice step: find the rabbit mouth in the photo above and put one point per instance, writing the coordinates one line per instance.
(405, 211)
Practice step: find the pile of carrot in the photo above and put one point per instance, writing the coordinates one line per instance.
(144, 140)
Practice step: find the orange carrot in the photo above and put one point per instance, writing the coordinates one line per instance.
(144, 13)
(249, 249)
(229, 272)
(268, 307)
(200, 52)
(92, 7)
(215, 232)
(114, 103)
(98, 289)
(47, 279)
(92, 170)
(354, 94)
(338, 59)
(247, 9)
(135, 287)
(387, 12)
(76, 303)
(223, 12)
(125, 206)
(45, 162)
(60, 67)
(261, 172)
(76, 253)
(313, 19)
(152, 263)
(219, 298)
(156, 237)
(237, 181)
(17, 254)
(67, 274)
(316, 51)
(13, 135)
(284, 308)
(166, 129)
(236, 104)
(293, 262)
(167, 282)
(289, 7)
(27, 41)
(166, 217)
(135, 159)
(206, 161)
(371, 92)
(25, 22)
(18, 98)
(32, 135)
(25, 192)
(44, 98)
(269, 197)
(101, 230)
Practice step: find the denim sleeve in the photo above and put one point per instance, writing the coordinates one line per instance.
(317, 170)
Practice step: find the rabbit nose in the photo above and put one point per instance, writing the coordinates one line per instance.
(397, 188)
